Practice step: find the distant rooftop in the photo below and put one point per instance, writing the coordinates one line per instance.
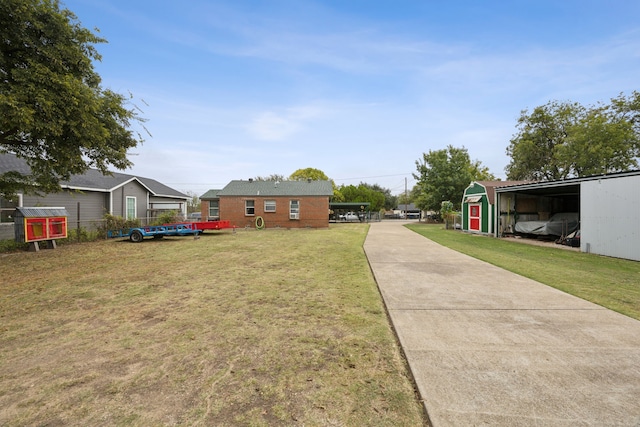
(277, 188)
(93, 179)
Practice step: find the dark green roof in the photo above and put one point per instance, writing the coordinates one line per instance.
(277, 188)
(211, 194)
(349, 205)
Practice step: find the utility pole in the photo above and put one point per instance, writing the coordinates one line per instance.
(405, 199)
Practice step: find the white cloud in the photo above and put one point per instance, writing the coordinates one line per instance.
(269, 126)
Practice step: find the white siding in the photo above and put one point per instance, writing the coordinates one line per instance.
(610, 217)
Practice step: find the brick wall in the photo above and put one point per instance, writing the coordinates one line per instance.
(204, 210)
(314, 212)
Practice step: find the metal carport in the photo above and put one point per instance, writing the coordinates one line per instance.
(343, 207)
(608, 206)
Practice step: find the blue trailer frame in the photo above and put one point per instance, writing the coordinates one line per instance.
(137, 234)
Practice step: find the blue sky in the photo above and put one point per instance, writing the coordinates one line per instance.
(360, 89)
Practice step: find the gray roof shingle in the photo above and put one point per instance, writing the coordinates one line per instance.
(93, 179)
(40, 212)
(277, 188)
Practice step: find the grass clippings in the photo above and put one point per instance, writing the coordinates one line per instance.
(254, 328)
(610, 282)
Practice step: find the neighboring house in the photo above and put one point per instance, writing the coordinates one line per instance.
(478, 206)
(408, 211)
(271, 204)
(88, 197)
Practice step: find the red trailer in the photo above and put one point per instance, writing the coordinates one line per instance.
(211, 225)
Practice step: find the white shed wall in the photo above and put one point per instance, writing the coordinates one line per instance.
(609, 220)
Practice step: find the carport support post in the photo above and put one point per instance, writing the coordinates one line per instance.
(405, 198)
(498, 215)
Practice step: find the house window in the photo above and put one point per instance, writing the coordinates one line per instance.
(214, 209)
(131, 208)
(249, 207)
(269, 205)
(294, 209)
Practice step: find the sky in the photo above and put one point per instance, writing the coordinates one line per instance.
(360, 89)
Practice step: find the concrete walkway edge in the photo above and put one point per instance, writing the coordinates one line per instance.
(490, 347)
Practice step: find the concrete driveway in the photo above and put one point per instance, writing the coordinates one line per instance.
(488, 347)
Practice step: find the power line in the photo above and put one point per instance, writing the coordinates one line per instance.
(369, 177)
(214, 184)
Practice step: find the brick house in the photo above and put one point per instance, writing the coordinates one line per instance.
(272, 204)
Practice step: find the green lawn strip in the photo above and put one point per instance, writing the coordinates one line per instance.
(260, 328)
(610, 282)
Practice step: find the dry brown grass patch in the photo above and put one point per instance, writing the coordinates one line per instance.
(253, 328)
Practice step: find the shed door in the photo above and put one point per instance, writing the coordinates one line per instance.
(474, 217)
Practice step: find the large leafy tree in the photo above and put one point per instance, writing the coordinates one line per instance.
(600, 143)
(563, 140)
(308, 173)
(390, 200)
(627, 108)
(316, 175)
(535, 149)
(444, 174)
(363, 193)
(272, 177)
(53, 111)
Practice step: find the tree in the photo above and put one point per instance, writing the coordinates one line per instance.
(627, 109)
(599, 143)
(444, 175)
(308, 173)
(363, 194)
(272, 177)
(448, 212)
(53, 111)
(535, 149)
(193, 204)
(316, 175)
(564, 140)
(390, 201)
(404, 199)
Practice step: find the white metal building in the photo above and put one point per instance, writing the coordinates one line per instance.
(609, 208)
(610, 216)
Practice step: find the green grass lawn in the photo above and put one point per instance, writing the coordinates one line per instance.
(254, 328)
(610, 282)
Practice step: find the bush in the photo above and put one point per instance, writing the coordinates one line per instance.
(81, 235)
(12, 246)
(167, 218)
(113, 222)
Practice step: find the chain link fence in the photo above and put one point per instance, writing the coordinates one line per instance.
(83, 230)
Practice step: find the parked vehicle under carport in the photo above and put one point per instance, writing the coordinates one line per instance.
(352, 216)
(560, 224)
